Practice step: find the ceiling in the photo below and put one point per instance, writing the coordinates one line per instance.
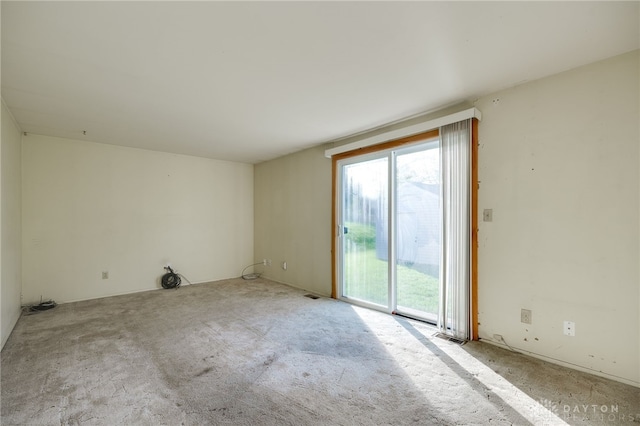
(248, 82)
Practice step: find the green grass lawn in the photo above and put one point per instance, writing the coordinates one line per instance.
(366, 279)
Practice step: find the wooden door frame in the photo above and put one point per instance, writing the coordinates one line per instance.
(474, 230)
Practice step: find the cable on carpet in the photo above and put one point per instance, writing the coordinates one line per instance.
(253, 275)
(172, 279)
(510, 348)
(40, 307)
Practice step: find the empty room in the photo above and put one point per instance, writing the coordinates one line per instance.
(319, 213)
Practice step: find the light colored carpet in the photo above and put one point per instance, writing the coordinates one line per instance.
(260, 353)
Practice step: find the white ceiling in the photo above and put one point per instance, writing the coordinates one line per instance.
(253, 81)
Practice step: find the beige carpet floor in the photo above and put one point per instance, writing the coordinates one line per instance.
(238, 352)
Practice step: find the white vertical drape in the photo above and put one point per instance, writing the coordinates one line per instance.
(455, 167)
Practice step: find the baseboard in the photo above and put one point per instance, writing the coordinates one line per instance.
(563, 363)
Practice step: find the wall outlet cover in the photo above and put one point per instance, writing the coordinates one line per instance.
(569, 328)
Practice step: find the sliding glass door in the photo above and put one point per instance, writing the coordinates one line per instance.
(365, 198)
(405, 215)
(390, 229)
(417, 231)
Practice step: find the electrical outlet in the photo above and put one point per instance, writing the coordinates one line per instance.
(487, 215)
(525, 316)
(569, 328)
(105, 275)
(284, 265)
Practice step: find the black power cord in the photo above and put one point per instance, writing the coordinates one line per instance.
(170, 279)
(42, 306)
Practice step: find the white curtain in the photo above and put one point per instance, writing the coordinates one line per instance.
(455, 158)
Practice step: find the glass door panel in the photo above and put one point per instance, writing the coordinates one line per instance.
(418, 231)
(365, 266)
(390, 236)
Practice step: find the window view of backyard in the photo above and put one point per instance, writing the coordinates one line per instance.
(365, 193)
(417, 233)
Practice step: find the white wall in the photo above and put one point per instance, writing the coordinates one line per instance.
(558, 164)
(89, 208)
(293, 219)
(10, 231)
